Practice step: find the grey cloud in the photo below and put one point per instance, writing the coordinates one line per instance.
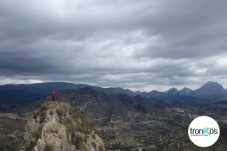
(187, 29)
(133, 44)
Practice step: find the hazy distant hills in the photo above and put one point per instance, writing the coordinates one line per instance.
(12, 96)
(208, 93)
(25, 93)
(120, 106)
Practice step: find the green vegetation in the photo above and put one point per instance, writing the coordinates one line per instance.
(43, 107)
(70, 128)
(37, 134)
(49, 147)
(79, 141)
(118, 147)
(11, 134)
(77, 113)
(62, 109)
(29, 145)
(69, 124)
(41, 112)
(42, 117)
(51, 112)
(83, 126)
(102, 148)
(35, 114)
(69, 119)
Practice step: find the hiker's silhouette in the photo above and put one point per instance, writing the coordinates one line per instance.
(53, 95)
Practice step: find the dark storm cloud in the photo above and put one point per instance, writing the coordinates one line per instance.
(133, 44)
(188, 29)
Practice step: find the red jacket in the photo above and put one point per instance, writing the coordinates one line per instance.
(53, 94)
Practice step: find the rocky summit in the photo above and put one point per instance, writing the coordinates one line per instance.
(59, 127)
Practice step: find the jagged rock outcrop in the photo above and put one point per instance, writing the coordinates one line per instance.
(58, 127)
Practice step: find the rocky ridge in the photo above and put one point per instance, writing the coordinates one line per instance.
(59, 127)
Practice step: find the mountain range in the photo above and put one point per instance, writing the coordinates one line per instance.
(12, 96)
(125, 119)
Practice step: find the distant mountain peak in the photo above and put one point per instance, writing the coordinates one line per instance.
(172, 91)
(185, 90)
(212, 84)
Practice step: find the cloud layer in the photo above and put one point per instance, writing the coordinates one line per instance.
(141, 45)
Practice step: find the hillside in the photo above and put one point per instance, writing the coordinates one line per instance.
(113, 107)
(123, 122)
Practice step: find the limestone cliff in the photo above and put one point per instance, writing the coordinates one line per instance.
(58, 127)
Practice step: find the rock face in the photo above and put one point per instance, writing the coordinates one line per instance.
(58, 127)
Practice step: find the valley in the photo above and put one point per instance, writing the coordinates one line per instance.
(126, 122)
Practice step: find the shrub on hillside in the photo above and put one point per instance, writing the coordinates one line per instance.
(62, 109)
(29, 145)
(43, 107)
(49, 147)
(37, 134)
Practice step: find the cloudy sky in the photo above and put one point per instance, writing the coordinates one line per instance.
(136, 44)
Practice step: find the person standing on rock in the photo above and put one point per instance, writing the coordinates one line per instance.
(54, 95)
